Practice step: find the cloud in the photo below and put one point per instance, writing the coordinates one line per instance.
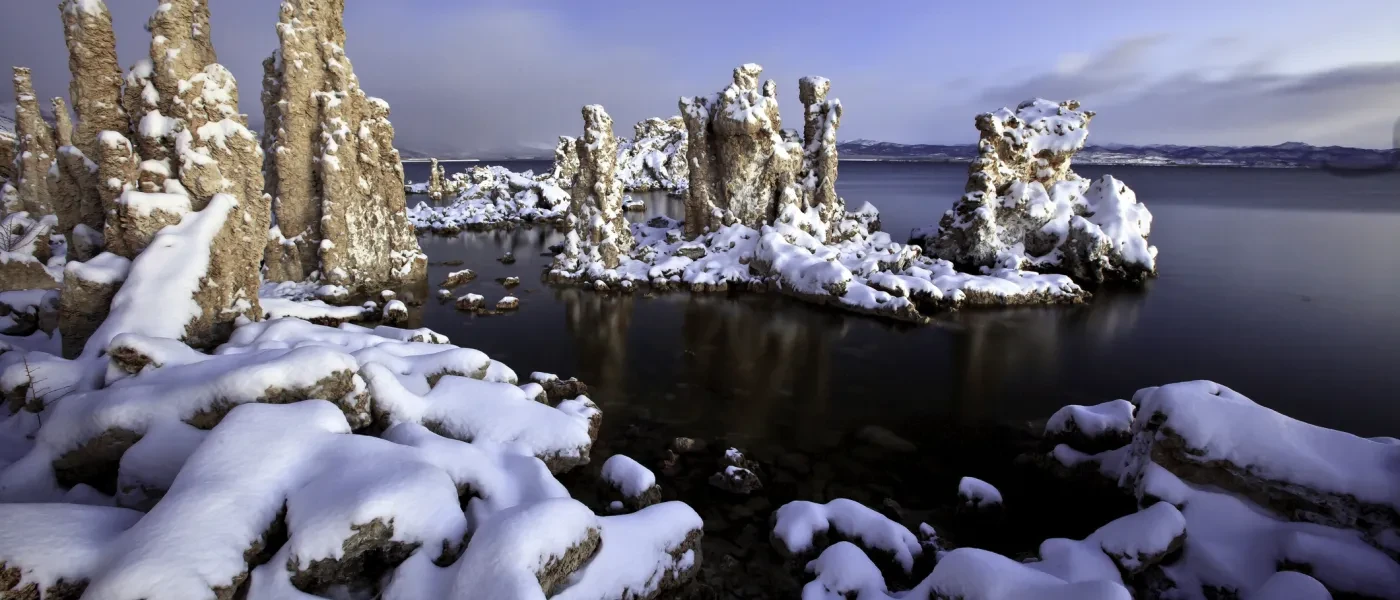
(500, 75)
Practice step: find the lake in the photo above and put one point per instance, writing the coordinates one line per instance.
(1282, 284)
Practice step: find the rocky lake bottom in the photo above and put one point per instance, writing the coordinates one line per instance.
(1278, 283)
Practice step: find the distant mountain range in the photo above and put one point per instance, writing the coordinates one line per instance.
(1286, 155)
(1282, 156)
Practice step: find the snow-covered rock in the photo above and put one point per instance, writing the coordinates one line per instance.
(598, 232)
(1092, 429)
(654, 159)
(36, 151)
(27, 260)
(1025, 209)
(495, 196)
(632, 482)
(804, 528)
(88, 290)
(975, 494)
(336, 178)
(743, 168)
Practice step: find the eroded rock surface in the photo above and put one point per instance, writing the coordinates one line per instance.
(741, 165)
(36, 149)
(1025, 207)
(336, 177)
(599, 231)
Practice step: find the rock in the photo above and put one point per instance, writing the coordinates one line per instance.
(741, 167)
(395, 313)
(736, 480)
(336, 177)
(557, 390)
(458, 278)
(444, 294)
(1025, 208)
(565, 161)
(471, 302)
(508, 282)
(1210, 436)
(140, 215)
(179, 51)
(436, 187)
(598, 231)
(507, 259)
(1143, 539)
(977, 495)
(24, 253)
(96, 87)
(117, 172)
(692, 251)
(655, 157)
(685, 445)
(1092, 429)
(884, 439)
(333, 294)
(73, 181)
(627, 479)
(36, 149)
(388, 295)
(88, 289)
(507, 303)
(822, 117)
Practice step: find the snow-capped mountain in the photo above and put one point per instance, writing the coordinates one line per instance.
(1286, 155)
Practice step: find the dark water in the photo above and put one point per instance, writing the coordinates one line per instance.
(1282, 284)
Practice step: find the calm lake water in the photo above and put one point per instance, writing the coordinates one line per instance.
(1282, 284)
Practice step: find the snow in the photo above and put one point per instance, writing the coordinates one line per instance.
(977, 493)
(473, 410)
(1290, 585)
(1219, 424)
(105, 268)
(52, 542)
(157, 298)
(1110, 417)
(276, 308)
(797, 524)
(638, 550)
(628, 475)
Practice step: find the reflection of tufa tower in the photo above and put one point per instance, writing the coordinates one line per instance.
(758, 366)
(598, 324)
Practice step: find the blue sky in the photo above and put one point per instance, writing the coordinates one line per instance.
(485, 75)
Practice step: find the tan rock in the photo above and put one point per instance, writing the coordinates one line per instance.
(742, 167)
(24, 253)
(73, 185)
(88, 289)
(820, 161)
(339, 197)
(435, 183)
(117, 167)
(7, 157)
(36, 148)
(596, 213)
(565, 162)
(96, 88)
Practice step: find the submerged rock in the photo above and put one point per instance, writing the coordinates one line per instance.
(1025, 208)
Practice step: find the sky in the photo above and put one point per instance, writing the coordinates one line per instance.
(478, 76)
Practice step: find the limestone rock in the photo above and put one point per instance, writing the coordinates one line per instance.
(7, 161)
(339, 190)
(565, 161)
(88, 289)
(96, 88)
(507, 303)
(436, 187)
(600, 234)
(36, 148)
(819, 163)
(1025, 208)
(24, 253)
(73, 184)
(654, 159)
(742, 168)
(117, 170)
(471, 302)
